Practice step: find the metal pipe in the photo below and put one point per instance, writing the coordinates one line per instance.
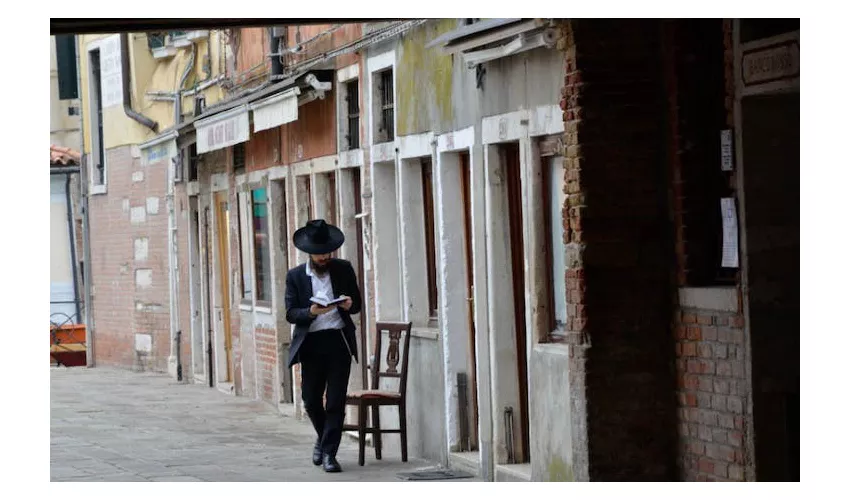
(84, 208)
(125, 77)
(64, 170)
(179, 364)
(73, 245)
(509, 434)
(207, 291)
(172, 225)
(366, 41)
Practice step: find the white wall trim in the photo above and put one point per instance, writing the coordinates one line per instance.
(193, 188)
(348, 73)
(508, 127)
(218, 182)
(415, 146)
(381, 61)
(278, 172)
(258, 176)
(241, 179)
(383, 153)
(350, 159)
(315, 165)
(457, 140)
(546, 120)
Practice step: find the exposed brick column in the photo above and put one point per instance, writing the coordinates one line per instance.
(618, 252)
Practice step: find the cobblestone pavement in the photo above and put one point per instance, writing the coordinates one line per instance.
(116, 425)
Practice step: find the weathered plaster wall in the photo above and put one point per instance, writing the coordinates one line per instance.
(549, 414)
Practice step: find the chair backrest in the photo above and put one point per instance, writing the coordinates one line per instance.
(395, 354)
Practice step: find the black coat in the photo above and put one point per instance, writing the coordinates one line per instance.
(299, 289)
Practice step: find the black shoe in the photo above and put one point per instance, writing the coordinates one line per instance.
(330, 464)
(317, 454)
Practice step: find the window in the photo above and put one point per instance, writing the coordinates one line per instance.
(352, 99)
(193, 162)
(239, 158)
(66, 66)
(99, 159)
(244, 248)
(430, 244)
(554, 198)
(387, 125)
(262, 256)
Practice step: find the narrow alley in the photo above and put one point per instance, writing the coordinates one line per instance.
(118, 425)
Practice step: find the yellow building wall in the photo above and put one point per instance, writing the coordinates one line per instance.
(150, 75)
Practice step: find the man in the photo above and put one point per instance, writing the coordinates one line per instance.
(324, 340)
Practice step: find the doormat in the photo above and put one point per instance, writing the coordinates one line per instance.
(433, 475)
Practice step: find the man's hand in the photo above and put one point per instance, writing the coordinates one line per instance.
(316, 310)
(346, 305)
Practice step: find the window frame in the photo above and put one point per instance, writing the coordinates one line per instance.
(245, 235)
(98, 178)
(259, 258)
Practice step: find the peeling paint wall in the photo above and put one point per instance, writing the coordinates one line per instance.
(423, 81)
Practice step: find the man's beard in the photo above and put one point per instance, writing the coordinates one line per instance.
(320, 268)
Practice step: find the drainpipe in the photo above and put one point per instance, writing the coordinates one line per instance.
(84, 208)
(125, 77)
(173, 279)
(73, 245)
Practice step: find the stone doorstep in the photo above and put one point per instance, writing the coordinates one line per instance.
(465, 461)
(513, 473)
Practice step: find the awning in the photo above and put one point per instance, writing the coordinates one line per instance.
(485, 33)
(470, 30)
(223, 130)
(276, 110)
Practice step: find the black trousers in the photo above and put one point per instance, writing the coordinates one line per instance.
(325, 367)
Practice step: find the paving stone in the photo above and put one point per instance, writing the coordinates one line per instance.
(116, 425)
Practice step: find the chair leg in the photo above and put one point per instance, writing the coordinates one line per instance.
(376, 434)
(402, 418)
(361, 433)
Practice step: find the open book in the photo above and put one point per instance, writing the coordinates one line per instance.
(325, 302)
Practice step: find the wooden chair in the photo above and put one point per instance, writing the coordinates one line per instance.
(375, 397)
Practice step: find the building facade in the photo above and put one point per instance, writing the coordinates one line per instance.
(540, 198)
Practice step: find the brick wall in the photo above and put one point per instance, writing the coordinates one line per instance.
(126, 304)
(712, 394)
(266, 361)
(711, 354)
(618, 252)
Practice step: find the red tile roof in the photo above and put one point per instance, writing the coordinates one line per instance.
(63, 156)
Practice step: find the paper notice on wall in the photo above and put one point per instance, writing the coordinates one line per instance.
(730, 232)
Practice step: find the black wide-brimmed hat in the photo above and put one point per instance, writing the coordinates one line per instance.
(318, 237)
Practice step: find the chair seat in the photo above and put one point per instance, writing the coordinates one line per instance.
(373, 394)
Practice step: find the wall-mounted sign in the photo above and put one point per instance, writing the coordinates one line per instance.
(223, 130)
(770, 63)
(726, 150)
(110, 72)
(159, 148)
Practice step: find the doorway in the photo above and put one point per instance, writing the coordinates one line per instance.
(771, 171)
(195, 295)
(510, 157)
(472, 389)
(222, 304)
